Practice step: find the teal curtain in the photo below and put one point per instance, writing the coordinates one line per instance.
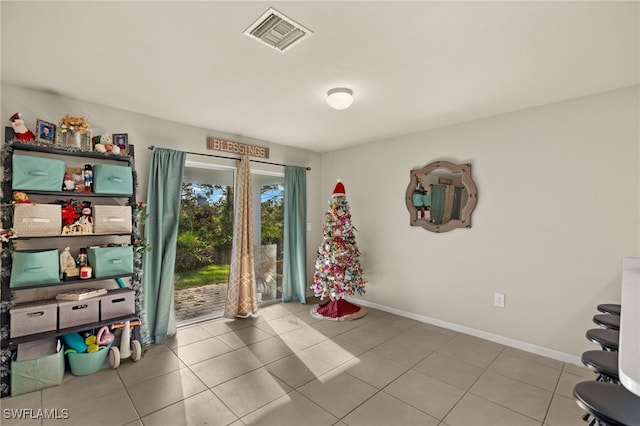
(457, 198)
(163, 205)
(438, 193)
(295, 234)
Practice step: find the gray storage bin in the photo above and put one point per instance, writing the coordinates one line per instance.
(117, 303)
(33, 317)
(78, 312)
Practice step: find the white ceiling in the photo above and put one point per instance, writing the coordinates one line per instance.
(412, 65)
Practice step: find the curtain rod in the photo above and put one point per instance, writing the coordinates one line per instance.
(232, 158)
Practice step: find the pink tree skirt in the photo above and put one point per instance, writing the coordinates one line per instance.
(338, 310)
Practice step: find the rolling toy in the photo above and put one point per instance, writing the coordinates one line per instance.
(128, 348)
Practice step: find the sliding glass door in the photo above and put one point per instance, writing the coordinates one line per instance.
(268, 235)
(205, 235)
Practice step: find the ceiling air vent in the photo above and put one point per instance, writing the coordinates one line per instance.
(277, 31)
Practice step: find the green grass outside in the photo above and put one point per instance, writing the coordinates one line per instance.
(210, 274)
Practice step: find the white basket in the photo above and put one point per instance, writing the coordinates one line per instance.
(111, 219)
(34, 220)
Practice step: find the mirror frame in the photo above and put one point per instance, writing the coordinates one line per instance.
(467, 182)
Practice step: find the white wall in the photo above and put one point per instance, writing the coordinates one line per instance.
(145, 131)
(558, 209)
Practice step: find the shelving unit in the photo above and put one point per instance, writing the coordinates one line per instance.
(12, 297)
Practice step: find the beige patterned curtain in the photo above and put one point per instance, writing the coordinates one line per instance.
(241, 293)
(448, 203)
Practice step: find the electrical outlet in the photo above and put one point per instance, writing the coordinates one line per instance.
(498, 300)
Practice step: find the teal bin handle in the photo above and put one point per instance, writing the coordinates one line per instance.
(114, 261)
(115, 179)
(38, 173)
(33, 269)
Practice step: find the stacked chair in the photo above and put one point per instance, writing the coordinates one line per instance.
(605, 400)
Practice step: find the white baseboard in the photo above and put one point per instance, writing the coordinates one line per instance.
(524, 346)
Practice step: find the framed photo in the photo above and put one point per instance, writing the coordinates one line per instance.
(122, 141)
(45, 131)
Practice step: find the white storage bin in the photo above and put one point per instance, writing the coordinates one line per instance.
(112, 219)
(33, 220)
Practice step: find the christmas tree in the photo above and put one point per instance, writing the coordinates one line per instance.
(338, 272)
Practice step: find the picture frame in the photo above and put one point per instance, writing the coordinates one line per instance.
(122, 141)
(45, 132)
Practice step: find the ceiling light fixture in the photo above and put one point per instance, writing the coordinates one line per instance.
(340, 98)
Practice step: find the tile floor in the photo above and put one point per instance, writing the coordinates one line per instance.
(284, 367)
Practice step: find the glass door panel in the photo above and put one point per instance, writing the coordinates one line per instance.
(268, 235)
(205, 234)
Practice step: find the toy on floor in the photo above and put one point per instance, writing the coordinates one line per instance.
(128, 348)
(74, 342)
(104, 336)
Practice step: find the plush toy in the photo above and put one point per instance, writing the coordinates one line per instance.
(20, 197)
(104, 143)
(86, 216)
(23, 134)
(86, 220)
(68, 183)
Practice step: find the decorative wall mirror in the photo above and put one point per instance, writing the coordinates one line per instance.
(441, 196)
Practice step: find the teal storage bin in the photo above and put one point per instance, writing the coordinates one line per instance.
(34, 267)
(37, 372)
(111, 261)
(109, 179)
(82, 364)
(37, 174)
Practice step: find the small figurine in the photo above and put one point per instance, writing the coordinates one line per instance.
(88, 178)
(68, 264)
(23, 134)
(69, 184)
(86, 220)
